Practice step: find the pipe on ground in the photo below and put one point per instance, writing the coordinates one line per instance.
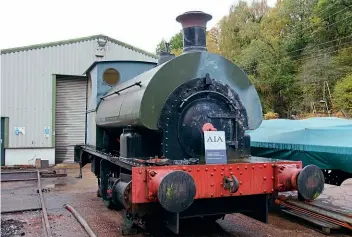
(80, 220)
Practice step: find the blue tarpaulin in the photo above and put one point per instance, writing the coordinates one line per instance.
(325, 142)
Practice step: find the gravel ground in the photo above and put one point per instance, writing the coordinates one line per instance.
(11, 227)
(22, 224)
(81, 194)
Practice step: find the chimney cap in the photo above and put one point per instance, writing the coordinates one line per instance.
(194, 18)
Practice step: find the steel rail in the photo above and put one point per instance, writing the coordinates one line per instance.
(316, 215)
(18, 180)
(21, 210)
(45, 214)
(19, 172)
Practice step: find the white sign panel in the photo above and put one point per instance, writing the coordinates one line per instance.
(19, 130)
(215, 147)
(46, 132)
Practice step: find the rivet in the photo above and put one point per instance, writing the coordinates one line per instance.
(245, 167)
(222, 173)
(240, 173)
(214, 169)
(272, 165)
(253, 167)
(221, 183)
(211, 195)
(240, 193)
(231, 172)
(297, 166)
(240, 182)
(230, 168)
(272, 190)
(264, 165)
(222, 168)
(231, 194)
(152, 173)
(184, 168)
(211, 174)
(260, 166)
(144, 180)
(238, 167)
(198, 169)
(206, 169)
(221, 194)
(272, 177)
(189, 170)
(211, 185)
(264, 191)
(264, 178)
(140, 172)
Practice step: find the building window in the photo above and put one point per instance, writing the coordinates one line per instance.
(111, 76)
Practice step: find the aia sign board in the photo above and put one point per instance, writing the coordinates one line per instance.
(215, 147)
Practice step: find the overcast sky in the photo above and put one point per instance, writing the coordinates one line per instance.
(141, 23)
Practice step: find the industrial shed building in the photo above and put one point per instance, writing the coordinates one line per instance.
(43, 96)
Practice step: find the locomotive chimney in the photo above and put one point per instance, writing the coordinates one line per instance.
(194, 30)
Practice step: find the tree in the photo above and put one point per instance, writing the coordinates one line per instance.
(343, 94)
(288, 51)
(331, 20)
(176, 42)
(161, 47)
(213, 36)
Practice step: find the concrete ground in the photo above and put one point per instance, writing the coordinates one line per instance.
(81, 194)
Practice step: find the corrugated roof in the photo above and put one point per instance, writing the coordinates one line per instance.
(76, 40)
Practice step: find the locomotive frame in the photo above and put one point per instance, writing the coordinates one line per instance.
(159, 173)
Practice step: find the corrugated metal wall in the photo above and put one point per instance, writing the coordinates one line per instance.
(26, 90)
(70, 116)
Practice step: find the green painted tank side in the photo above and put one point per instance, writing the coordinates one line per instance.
(120, 109)
(141, 106)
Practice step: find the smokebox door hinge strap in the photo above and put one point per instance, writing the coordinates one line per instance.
(207, 80)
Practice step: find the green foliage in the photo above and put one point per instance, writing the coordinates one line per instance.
(176, 41)
(161, 47)
(343, 94)
(289, 51)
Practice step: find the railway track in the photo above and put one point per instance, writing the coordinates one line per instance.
(29, 176)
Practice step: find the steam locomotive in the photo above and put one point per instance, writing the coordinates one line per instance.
(155, 162)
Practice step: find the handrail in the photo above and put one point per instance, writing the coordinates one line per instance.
(118, 92)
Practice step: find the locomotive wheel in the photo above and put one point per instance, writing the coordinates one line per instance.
(107, 200)
(98, 191)
(109, 204)
(128, 228)
(104, 183)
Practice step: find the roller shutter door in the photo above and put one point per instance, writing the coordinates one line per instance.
(70, 116)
